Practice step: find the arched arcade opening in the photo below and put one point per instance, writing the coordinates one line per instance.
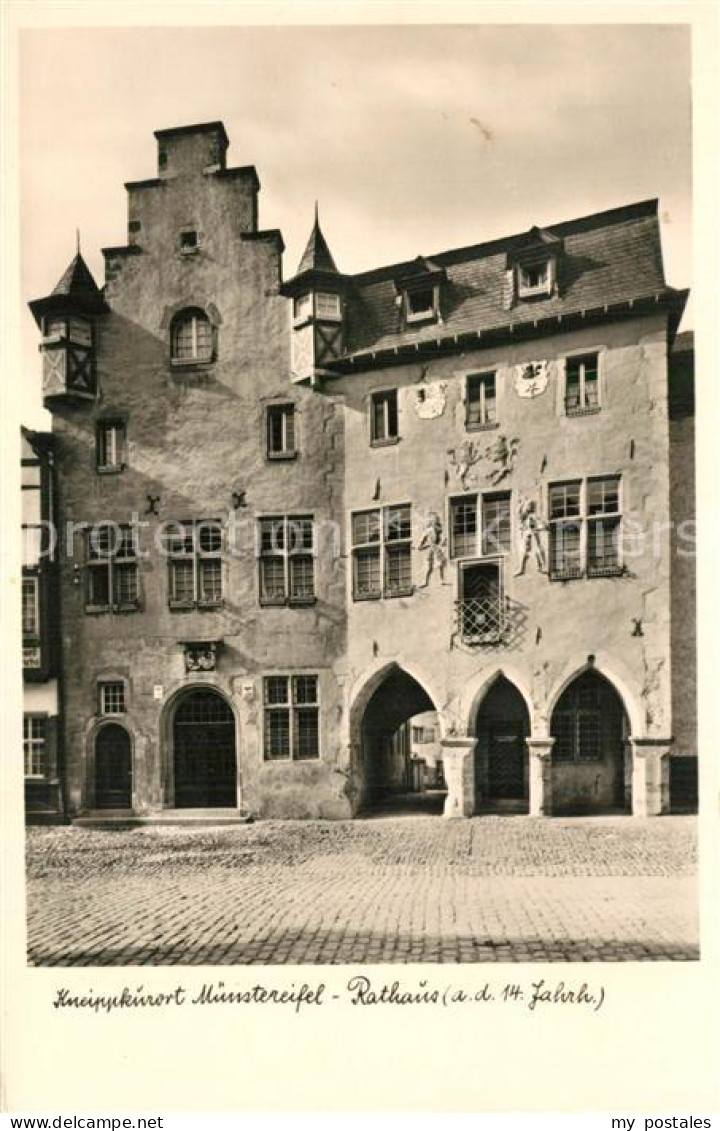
(399, 745)
(591, 769)
(502, 726)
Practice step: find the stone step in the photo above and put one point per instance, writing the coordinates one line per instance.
(106, 818)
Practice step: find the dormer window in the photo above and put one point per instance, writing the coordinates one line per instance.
(322, 305)
(421, 304)
(533, 280)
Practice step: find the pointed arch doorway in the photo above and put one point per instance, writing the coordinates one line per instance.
(502, 726)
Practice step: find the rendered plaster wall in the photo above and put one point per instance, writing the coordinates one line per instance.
(683, 586)
(557, 626)
(196, 439)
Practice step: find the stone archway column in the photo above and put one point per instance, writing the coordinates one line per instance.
(650, 776)
(541, 792)
(459, 769)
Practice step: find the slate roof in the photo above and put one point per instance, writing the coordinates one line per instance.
(75, 292)
(607, 258)
(316, 256)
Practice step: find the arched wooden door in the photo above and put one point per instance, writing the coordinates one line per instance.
(113, 768)
(204, 752)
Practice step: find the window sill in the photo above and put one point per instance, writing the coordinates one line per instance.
(567, 575)
(422, 316)
(281, 457)
(385, 443)
(583, 411)
(94, 610)
(111, 470)
(367, 596)
(301, 602)
(399, 593)
(191, 366)
(482, 427)
(606, 571)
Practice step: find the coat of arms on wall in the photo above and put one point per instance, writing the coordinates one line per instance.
(531, 378)
(430, 400)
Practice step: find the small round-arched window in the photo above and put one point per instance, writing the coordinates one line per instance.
(191, 337)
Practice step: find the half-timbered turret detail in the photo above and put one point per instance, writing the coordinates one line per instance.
(66, 318)
(317, 291)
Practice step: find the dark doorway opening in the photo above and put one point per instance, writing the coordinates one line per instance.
(589, 757)
(502, 765)
(113, 768)
(401, 762)
(204, 752)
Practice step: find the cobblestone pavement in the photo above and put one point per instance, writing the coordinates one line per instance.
(390, 889)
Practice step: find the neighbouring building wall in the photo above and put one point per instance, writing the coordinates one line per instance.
(683, 577)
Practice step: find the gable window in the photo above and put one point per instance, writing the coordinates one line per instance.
(581, 385)
(280, 424)
(292, 717)
(110, 445)
(111, 695)
(585, 528)
(191, 337)
(30, 608)
(489, 536)
(382, 553)
(35, 745)
(384, 417)
(194, 552)
(481, 401)
(111, 557)
(287, 559)
(189, 241)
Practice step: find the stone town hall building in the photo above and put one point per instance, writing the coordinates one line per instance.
(297, 513)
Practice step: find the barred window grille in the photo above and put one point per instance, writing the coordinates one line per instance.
(292, 717)
(382, 552)
(481, 608)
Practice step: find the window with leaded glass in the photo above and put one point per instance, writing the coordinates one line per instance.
(192, 337)
(280, 424)
(382, 552)
(481, 401)
(35, 745)
(111, 695)
(604, 526)
(194, 550)
(587, 719)
(582, 385)
(384, 416)
(292, 717)
(112, 568)
(286, 548)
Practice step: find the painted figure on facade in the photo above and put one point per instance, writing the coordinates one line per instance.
(433, 543)
(531, 527)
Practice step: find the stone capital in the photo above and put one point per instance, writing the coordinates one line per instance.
(647, 747)
(540, 747)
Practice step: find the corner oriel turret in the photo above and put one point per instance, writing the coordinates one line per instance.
(66, 318)
(318, 314)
